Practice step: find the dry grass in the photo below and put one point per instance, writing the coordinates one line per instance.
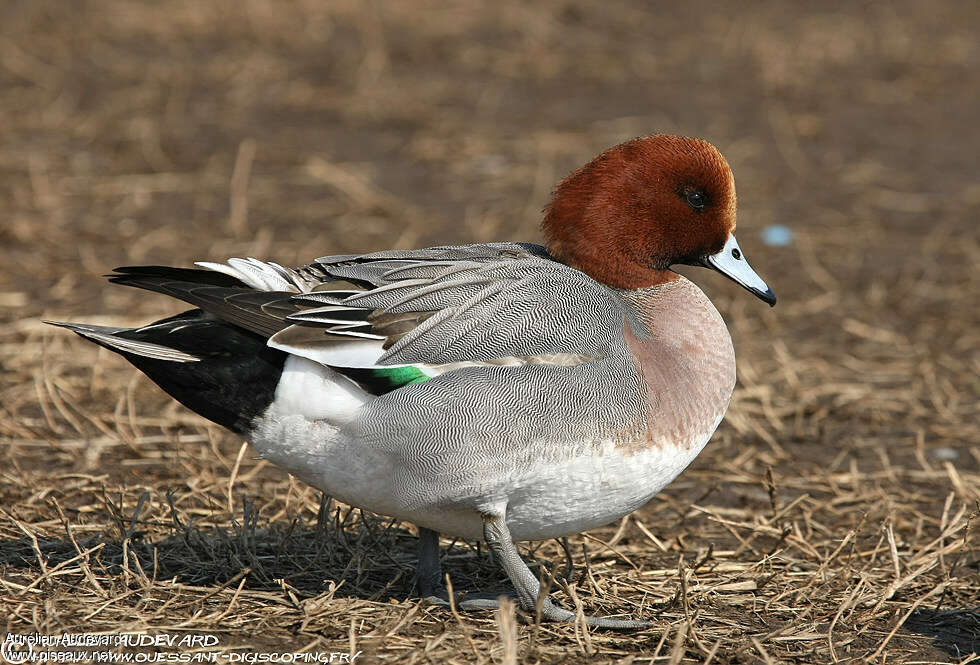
(832, 519)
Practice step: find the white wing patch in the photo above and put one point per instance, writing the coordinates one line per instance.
(350, 352)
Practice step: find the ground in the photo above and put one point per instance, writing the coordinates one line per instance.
(833, 518)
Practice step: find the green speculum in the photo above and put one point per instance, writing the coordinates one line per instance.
(381, 380)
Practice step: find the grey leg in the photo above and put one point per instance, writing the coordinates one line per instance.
(569, 566)
(498, 538)
(428, 578)
(428, 573)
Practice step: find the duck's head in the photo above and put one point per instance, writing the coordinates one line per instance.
(645, 205)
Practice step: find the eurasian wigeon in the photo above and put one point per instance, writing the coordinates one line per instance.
(504, 391)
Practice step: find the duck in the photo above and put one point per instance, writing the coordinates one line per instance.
(502, 391)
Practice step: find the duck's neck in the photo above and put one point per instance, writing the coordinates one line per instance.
(684, 354)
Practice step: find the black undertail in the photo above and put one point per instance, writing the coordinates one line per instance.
(233, 380)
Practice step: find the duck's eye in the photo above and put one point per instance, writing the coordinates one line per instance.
(695, 198)
(736, 254)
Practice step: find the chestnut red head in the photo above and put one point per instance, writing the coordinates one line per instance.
(645, 205)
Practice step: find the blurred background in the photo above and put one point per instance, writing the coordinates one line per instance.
(169, 132)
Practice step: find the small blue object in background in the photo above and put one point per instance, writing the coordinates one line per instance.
(777, 235)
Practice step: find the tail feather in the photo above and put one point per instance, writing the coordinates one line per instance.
(107, 336)
(221, 371)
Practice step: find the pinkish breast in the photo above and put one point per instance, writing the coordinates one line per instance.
(684, 354)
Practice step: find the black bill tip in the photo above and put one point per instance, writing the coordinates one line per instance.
(766, 296)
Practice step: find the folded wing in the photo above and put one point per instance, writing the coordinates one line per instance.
(495, 303)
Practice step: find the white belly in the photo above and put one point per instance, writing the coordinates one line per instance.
(588, 492)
